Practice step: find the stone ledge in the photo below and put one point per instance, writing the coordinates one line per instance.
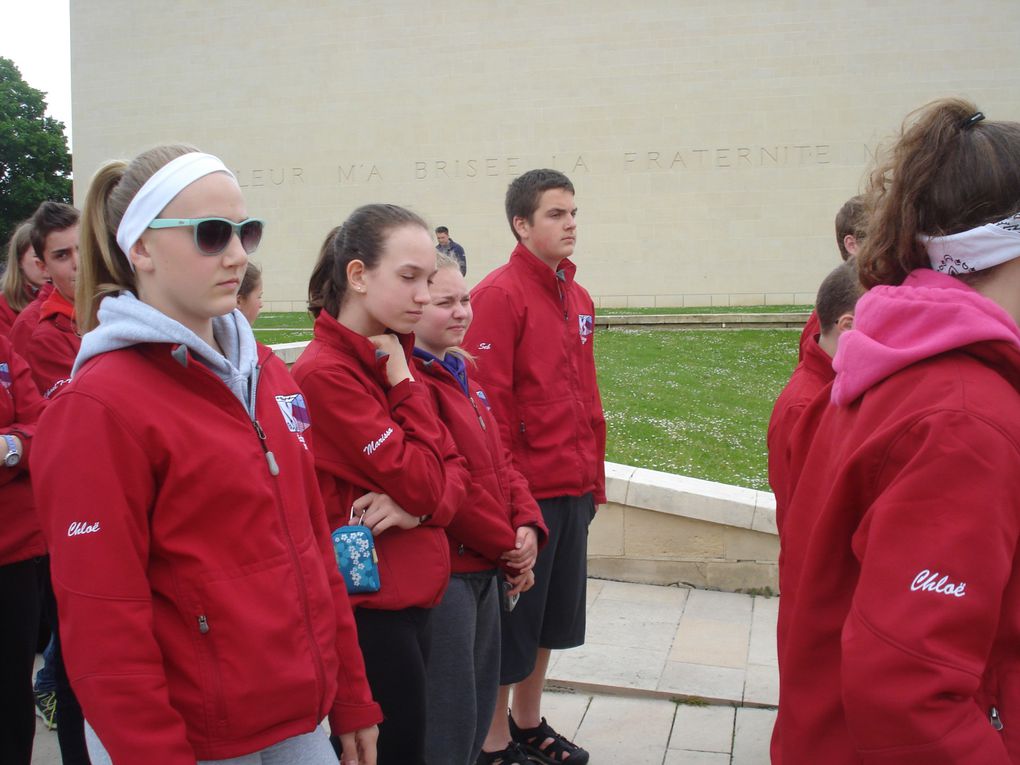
(790, 320)
(691, 497)
(288, 352)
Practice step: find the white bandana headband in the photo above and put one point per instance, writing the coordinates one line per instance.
(975, 249)
(157, 192)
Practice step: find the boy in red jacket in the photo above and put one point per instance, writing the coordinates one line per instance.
(54, 341)
(50, 345)
(532, 334)
(835, 303)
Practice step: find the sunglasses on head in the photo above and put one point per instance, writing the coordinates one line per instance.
(212, 235)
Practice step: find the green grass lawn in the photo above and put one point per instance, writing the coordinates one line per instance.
(695, 402)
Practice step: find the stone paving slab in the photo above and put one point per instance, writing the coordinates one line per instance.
(647, 648)
(660, 732)
(674, 642)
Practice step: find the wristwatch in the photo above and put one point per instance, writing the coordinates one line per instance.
(13, 456)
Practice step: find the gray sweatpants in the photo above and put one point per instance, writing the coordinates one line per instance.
(463, 669)
(306, 749)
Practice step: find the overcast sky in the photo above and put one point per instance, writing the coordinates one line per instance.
(35, 34)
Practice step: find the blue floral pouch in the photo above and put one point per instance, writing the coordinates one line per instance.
(356, 558)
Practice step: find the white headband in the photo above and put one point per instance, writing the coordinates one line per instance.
(974, 249)
(157, 192)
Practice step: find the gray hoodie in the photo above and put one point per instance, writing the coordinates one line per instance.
(124, 320)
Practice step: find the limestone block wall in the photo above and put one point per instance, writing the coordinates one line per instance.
(711, 143)
(662, 528)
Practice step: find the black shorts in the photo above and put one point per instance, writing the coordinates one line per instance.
(551, 614)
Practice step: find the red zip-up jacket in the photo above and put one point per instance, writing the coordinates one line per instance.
(498, 501)
(807, 335)
(904, 622)
(373, 437)
(21, 536)
(24, 324)
(8, 315)
(202, 615)
(54, 344)
(533, 335)
(811, 375)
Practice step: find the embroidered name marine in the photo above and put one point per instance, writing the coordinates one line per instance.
(371, 446)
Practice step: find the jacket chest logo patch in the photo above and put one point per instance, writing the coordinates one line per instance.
(585, 326)
(295, 414)
(5, 375)
(482, 397)
(933, 581)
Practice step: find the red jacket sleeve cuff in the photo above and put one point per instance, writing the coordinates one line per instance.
(402, 391)
(347, 718)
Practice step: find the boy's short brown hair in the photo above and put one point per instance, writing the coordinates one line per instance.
(50, 217)
(525, 191)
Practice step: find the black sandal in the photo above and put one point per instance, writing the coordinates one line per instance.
(512, 755)
(546, 745)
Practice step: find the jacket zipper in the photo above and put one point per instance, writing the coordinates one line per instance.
(274, 470)
(218, 698)
(563, 300)
(477, 413)
(302, 588)
(994, 719)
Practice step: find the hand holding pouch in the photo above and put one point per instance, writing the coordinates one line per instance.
(356, 558)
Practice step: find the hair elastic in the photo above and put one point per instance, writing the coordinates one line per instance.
(157, 192)
(975, 249)
(972, 120)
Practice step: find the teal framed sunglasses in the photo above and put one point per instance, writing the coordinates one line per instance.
(212, 235)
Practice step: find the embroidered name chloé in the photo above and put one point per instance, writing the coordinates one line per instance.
(930, 581)
(371, 446)
(81, 527)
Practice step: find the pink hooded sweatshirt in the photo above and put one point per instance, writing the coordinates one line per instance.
(902, 540)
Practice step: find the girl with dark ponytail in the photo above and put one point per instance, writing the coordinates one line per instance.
(383, 457)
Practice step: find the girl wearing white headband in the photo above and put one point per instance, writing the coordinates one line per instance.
(903, 533)
(202, 612)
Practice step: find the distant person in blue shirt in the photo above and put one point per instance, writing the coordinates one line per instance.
(449, 247)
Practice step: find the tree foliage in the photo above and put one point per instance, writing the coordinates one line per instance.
(35, 164)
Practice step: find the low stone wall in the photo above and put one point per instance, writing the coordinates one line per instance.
(790, 320)
(662, 528)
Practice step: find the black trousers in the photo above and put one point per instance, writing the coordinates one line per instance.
(20, 604)
(70, 723)
(395, 645)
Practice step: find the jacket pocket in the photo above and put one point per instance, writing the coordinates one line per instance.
(258, 668)
(546, 428)
(1006, 706)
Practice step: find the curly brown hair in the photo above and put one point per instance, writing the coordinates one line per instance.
(948, 171)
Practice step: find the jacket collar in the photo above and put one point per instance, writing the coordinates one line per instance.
(540, 272)
(817, 361)
(56, 305)
(453, 365)
(336, 335)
